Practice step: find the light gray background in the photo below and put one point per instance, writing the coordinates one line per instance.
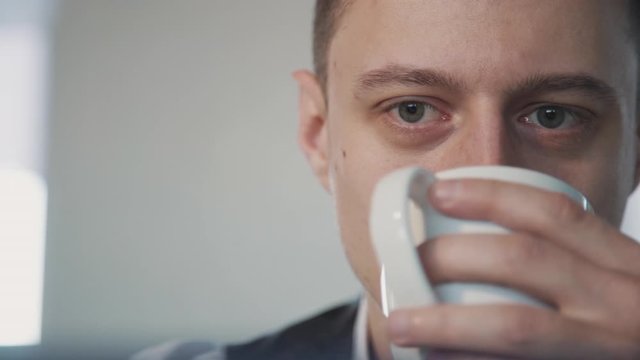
(180, 206)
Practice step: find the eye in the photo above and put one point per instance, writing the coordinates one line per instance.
(551, 117)
(413, 112)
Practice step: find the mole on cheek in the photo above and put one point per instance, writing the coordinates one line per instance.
(344, 154)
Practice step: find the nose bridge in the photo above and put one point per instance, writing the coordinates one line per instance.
(487, 137)
(489, 142)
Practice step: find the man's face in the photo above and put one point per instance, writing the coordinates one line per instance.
(545, 85)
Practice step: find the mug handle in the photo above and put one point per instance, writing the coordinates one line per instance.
(403, 282)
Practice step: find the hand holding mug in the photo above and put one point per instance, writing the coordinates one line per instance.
(555, 253)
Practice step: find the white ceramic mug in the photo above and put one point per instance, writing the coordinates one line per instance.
(402, 218)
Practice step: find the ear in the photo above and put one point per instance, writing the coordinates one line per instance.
(312, 125)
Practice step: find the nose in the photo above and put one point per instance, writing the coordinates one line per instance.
(487, 139)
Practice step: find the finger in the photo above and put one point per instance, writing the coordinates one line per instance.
(441, 354)
(536, 267)
(574, 286)
(507, 330)
(545, 214)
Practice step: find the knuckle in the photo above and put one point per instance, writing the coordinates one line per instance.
(629, 349)
(625, 298)
(436, 259)
(632, 350)
(523, 249)
(635, 304)
(521, 328)
(630, 291)
(565, 210)
(444, 325)
(492, 208)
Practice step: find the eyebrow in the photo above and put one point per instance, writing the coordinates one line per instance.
(577, 82)
(401, 75)
(405, 76)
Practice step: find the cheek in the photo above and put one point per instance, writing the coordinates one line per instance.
(612, 175)
(359, 158)
(605, 179)
(356, 169)
(608, 193)
(603, 171)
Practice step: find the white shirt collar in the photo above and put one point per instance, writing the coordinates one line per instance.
(360, 343)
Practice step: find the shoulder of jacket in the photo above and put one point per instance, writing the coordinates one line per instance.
(182, 350)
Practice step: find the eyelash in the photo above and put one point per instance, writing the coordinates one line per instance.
(388, 108)
(582, 117)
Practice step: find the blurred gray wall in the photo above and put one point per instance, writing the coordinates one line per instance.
(180, 205)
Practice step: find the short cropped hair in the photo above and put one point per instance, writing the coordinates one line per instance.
(327, 17)
(329, 12)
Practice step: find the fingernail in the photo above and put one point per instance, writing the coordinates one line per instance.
(446, 191)
(399, 325)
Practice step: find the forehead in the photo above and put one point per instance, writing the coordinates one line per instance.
(484, 40)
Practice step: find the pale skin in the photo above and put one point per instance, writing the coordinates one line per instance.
(482, 71)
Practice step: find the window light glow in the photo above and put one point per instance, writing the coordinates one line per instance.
(23, 192)
(22, 232)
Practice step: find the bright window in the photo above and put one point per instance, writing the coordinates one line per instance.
(23, 192)
(22, 232)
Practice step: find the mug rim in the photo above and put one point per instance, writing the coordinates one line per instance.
(516, 175)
